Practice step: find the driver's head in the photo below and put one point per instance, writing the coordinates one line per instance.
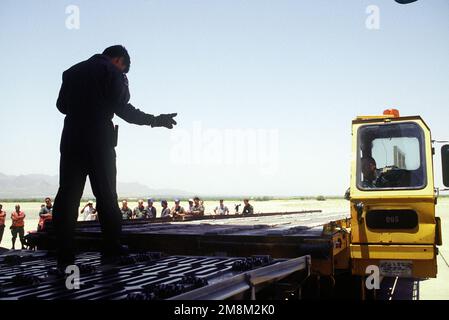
(369, 168)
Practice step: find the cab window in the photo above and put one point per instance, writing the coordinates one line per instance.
(391, 156)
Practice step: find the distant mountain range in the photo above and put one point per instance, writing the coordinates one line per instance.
(39, 186)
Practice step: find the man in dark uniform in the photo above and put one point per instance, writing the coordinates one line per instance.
(247, 209)
(46, 214)
(126, 212)
(151, 210)
(140, 212)
(94, 89)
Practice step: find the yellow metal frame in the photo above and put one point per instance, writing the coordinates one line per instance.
(368, 247)
(397, 252)
(421, 268)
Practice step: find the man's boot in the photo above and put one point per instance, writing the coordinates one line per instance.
(112, 255)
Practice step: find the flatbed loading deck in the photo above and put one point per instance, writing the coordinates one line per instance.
(280, 235)
(149, 276)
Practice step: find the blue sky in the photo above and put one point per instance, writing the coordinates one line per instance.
(304, 69)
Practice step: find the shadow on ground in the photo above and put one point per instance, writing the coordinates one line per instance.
(399, 289)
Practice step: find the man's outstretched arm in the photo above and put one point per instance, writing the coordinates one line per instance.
(130, 114)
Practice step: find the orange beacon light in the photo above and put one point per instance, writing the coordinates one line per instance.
(392, 112)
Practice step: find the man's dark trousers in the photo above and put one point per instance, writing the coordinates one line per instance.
(18, 231)
(2, 229)
(92, 92)
(76, 164)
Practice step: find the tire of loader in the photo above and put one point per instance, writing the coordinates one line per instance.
(349, 287)
(308, 289)
(327, 287)
(311, 288)
(318, 287)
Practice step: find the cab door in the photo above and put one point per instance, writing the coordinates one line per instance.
(392, 198)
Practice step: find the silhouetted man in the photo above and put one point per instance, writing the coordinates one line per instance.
(94, 90)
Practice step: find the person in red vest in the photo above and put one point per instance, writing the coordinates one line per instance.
(17, 227)
(46, 214)
(2, 222)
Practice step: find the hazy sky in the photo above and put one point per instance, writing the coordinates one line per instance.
(295, 73)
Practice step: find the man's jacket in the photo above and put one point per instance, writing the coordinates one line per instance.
(91, 93)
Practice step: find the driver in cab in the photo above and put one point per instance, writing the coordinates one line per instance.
(370, 172)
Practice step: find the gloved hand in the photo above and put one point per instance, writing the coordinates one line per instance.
(164, 120)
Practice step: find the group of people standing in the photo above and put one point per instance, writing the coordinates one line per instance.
(195, 208)
(18, 221)
(17, 225)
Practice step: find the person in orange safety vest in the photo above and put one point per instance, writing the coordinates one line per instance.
(17, 227)
(2, 222)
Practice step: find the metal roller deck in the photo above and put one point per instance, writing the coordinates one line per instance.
(280, 235)
(145, 276)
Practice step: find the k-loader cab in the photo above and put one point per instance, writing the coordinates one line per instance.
(393, 196)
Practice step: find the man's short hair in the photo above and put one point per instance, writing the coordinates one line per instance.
(119, 51)
(368, 159)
